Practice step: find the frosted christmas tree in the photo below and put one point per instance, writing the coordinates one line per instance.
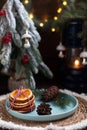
(19, 40)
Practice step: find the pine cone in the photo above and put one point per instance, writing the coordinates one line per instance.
(50, 94)
(44, 109)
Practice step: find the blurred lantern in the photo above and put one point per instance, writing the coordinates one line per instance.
(72, 42)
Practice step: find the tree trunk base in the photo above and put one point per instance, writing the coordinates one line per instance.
(16, 84)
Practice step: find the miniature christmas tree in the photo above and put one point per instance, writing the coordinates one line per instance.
(19, 40)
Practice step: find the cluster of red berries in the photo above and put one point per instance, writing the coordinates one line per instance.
(6, 39)
(2, 12)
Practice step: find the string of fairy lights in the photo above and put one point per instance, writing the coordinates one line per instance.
(44, 23)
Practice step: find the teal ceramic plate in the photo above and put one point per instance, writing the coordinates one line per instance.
(62, 106)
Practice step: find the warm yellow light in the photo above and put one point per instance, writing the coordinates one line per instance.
(59, 10)
(53, 29)
(65, 3)
(26, 1)
(77, 63)
(55, 18)
(46, 20)
(31, 15)
(41, 24)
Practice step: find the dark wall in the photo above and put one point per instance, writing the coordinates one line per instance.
(47, 47)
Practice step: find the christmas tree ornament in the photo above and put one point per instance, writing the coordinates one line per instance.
(25, 59)
(26, 44)
(26, 38)
(6, 39)
(60, 48)
(26, 35)
(21, 44)
(83, 55)
(2, 12)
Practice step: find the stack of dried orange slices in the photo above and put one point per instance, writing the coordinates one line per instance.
(22, 100)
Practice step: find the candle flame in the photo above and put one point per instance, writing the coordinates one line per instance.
(77, 62)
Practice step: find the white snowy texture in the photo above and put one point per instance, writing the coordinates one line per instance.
(28, 23)
(8, 23)
(5, 56)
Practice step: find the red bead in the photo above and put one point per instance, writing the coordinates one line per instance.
(6, 39)
(25, 59)
(3, 12)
